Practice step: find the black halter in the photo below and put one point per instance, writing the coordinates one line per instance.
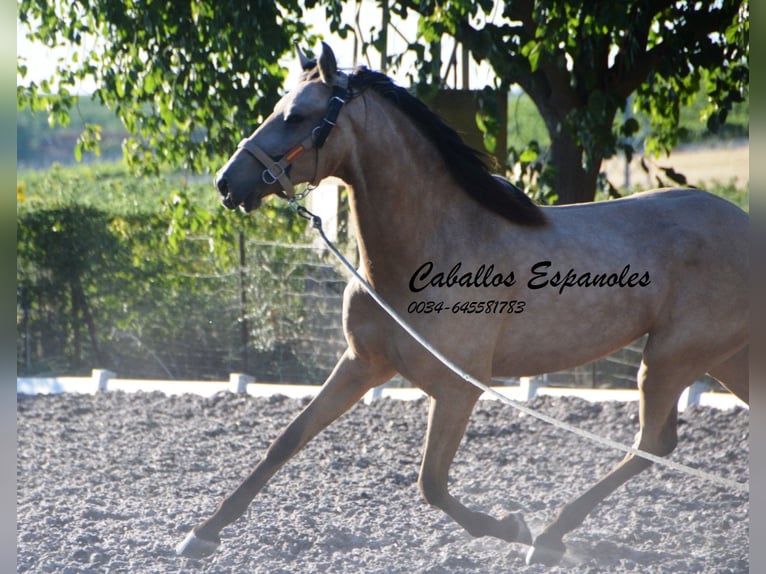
(276, 169)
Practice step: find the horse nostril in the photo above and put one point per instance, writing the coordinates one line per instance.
(228, 202)
(222, 185)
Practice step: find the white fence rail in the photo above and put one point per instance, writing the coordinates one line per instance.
(527, 388)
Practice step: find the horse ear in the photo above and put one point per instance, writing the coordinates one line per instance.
(306, 62)
(328, 65)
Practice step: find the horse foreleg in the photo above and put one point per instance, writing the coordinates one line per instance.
(447, 420)
(657, 435)
(350, 379)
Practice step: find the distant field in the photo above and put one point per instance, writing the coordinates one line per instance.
(701, 166)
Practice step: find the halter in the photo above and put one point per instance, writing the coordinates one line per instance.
(275, 170)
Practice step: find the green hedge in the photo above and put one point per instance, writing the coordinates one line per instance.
(143, 276)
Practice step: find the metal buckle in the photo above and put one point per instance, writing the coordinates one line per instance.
(269, 173)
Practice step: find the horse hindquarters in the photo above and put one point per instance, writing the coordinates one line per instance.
(734, 374)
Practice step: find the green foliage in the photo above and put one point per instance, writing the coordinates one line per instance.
(580, 61)
(527, 161)
(694, 127)
(144, 276)
(532, 174)
(40, 144)
(525, 124)
(186, 79)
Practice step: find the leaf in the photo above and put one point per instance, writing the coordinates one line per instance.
(534, 57)
(528, 156)
(679, 178)
(490, 142)
(630, 127)
(479, 118)
(613, 192)
(119, 86)
(150, 82)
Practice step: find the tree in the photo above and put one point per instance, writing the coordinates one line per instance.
(580, 61)
(185, 78)
(188, 78)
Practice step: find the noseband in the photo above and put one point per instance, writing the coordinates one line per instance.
(275, 170)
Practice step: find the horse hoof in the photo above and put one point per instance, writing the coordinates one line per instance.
(517, 530)
(546, 555)
(195, 547)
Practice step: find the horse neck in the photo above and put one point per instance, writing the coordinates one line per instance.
(401, 194)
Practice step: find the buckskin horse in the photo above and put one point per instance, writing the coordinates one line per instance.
(498, 284)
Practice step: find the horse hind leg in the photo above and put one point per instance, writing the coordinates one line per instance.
(659, 390)
(447, 421)
(734, 374)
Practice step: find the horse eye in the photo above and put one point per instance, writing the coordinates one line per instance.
(294, 119)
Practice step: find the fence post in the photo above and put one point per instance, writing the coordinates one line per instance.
(691, 395)
(101, 378)
(374, 394)
(528, 386)
(238, 383)
(244, 331)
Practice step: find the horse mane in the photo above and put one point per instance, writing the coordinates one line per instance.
(466, 164)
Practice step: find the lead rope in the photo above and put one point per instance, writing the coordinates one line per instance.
(316, 223)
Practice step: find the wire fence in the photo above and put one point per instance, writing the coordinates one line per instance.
(276, 317)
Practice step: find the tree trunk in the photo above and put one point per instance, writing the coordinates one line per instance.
(79, 295)
(75, 324)
(572, 183)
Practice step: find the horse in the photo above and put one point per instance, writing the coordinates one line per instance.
(500, 285)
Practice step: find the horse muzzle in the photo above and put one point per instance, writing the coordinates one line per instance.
(232, 199)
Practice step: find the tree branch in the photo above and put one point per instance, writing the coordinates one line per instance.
(523, 11)
(549, 86)
(634, 64)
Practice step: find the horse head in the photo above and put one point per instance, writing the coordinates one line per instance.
(274, 158)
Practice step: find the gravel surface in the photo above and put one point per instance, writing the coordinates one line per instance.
(112, 482)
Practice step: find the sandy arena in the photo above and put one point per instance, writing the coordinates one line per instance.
(112, 482)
